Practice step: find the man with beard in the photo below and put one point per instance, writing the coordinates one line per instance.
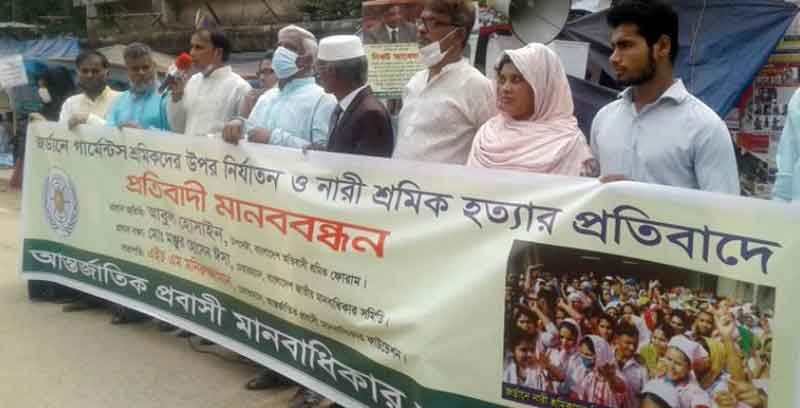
(142, 106)
(91, 106)
(657, 132)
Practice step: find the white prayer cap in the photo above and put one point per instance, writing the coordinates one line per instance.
(663, 390)
(340, 47)
(693, 351)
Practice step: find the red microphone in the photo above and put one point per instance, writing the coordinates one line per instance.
(180, 68)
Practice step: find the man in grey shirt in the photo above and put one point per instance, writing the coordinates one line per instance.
(657, 132)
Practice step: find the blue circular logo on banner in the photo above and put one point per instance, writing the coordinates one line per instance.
(60, 202)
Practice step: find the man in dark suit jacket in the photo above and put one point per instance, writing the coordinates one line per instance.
(360, 124)
(394, 29)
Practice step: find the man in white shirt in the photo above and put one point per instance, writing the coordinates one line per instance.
(446, 104)
(90, 106)
(202, 105)
(657, 132)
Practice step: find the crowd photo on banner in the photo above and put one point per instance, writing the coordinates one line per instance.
(616, 332)
(579, 327)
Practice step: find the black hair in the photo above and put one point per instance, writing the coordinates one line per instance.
(519, 311)
(632, 306)
(569, 326)
(654, 19)
(669, 332)
(589, 343)
(86, 54)
(681, 315)
(517, 337)
(218, 40)
(461, 13)
(503, 61)
(608, 318)
(626, 329)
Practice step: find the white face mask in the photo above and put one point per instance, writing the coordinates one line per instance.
(44, 95)
(432, 54)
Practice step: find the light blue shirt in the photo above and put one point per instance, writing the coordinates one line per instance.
(296, 116)
(676, 141)
(148, 111)
(787, 183)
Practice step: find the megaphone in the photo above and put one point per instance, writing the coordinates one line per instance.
(536, 20)
(531, 21)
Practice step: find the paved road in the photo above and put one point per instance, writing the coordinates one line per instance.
(58, 360)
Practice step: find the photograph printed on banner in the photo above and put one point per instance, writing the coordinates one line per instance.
(587, 329)
(390, 22)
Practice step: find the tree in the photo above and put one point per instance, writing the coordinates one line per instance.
(72, 19)
(331, 9)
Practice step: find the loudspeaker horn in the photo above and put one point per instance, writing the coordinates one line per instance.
(536, 20)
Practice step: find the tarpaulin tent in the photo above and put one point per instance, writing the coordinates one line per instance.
(40, 49)
(723, 44)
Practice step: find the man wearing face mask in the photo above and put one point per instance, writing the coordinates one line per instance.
(446, 104)
(298, 112)
(202, 105)
(91, 106)
(142, 106)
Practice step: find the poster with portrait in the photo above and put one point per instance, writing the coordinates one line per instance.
(389, 33)
(762, 114)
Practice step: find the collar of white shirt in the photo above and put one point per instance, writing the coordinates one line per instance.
(219, 72)
(347, 100)
(391, 30)
(676, 92)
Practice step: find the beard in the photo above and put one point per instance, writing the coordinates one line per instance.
(92, 86)
(647, 74)
(143, 87)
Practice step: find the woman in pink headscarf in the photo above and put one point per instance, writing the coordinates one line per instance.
(536, 130)
(600, 382)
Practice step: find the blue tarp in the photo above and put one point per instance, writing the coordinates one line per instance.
(35, 53)
(41, 49)
(731, 41)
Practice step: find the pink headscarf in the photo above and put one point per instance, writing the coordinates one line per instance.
(594, 388)
(550, 141)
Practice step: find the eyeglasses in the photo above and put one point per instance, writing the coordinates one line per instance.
(432, 24)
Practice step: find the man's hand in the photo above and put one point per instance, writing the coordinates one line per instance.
(314, 146)
(78, 119)
(612, 178)
(747, 393)
(232, 132)
(36, 117)
(725, 399)
(726, 326)
(176, 87)
(259, 135)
